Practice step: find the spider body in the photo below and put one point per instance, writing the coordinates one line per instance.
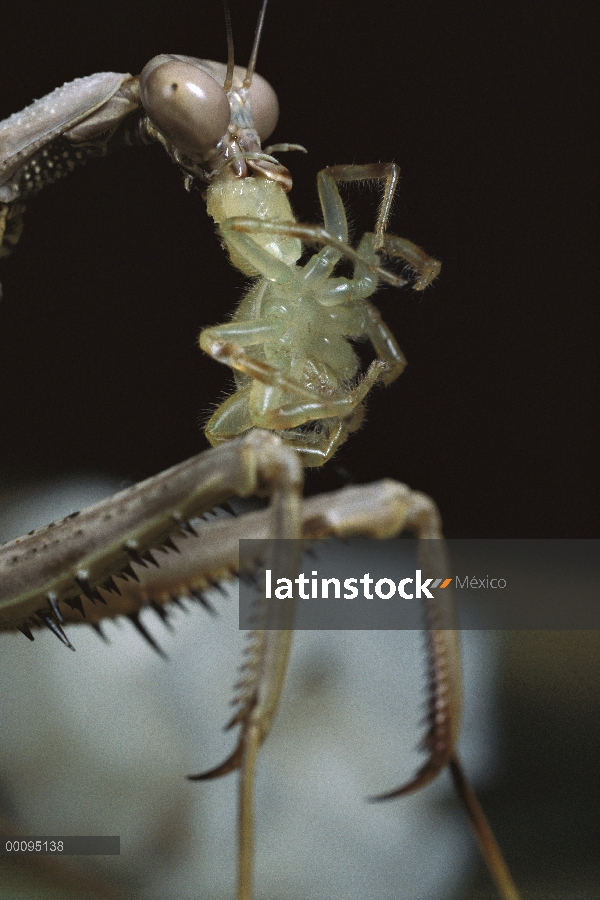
(289, 340)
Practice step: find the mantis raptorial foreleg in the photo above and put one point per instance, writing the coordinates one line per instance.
(81, 555)
(349, 513)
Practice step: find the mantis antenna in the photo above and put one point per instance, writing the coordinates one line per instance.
(254, 54)
(230, 53)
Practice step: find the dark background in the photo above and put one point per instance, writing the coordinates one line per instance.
(487, 109)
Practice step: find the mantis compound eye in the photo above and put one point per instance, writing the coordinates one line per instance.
(185, 103)
(264, 106)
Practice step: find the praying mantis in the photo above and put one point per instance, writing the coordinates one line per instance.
(87, 579)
